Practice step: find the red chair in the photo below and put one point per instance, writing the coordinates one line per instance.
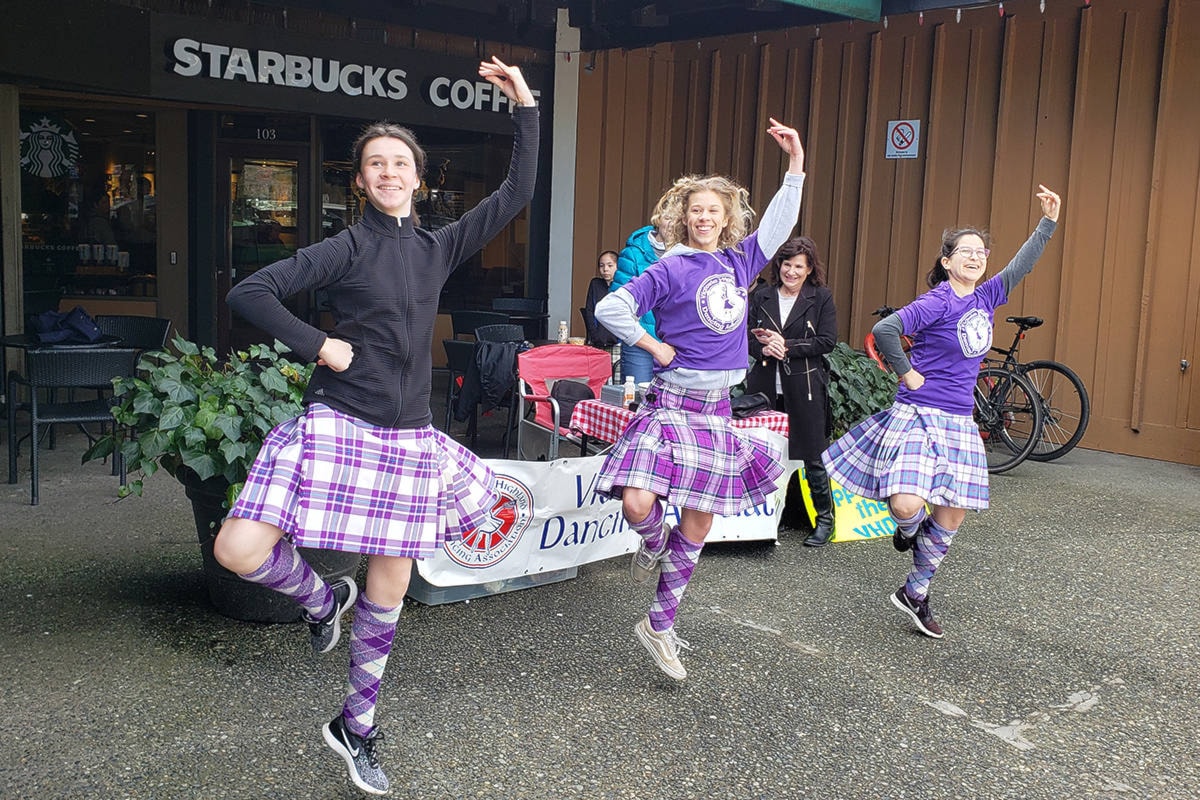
(541, 414)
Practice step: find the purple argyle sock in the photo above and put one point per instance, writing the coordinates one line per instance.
(677, 567)
(286, 572)
(651, 528)
(371, 636)
(909, 527)
(929, 549)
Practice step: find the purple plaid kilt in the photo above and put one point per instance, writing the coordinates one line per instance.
(332, 481)
(681, 446)
(909, 449)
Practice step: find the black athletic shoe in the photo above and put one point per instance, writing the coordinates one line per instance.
(359, 754)
(326, 632)
(918, 611)
(905, 543)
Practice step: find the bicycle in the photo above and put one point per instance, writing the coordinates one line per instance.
(1009, 418)
(1064, 399)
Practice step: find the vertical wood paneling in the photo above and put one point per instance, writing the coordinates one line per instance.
(876, 187)
(1097, 101)
(1169, 328)
(1014, 211)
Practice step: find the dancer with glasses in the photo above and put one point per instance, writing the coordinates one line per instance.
(926, 449)
(793, 324)
(680, 445)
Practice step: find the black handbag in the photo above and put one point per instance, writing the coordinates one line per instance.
(749, 404)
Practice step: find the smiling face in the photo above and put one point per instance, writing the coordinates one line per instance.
(967, 262)
(793, 272)
(705, 219)
(387, 173)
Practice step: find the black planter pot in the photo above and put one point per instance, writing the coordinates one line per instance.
(237, 598)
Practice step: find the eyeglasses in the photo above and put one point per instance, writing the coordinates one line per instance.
(966, 252)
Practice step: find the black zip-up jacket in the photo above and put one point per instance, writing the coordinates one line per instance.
(383, 280)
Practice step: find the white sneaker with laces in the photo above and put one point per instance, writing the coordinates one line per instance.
(645, 563)
(664, 646)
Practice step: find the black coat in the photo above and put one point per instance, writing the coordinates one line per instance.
(810, 332)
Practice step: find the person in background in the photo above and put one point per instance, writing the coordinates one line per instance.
(363, 469)
(606, 268)
(680, 446)
(793, 324)
(642, 248)
(925, 449)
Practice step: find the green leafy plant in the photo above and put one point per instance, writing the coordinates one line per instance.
(857, 387)
(187, 410)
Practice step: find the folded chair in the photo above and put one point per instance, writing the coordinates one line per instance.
(543, 405)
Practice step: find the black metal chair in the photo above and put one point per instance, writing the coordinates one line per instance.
(53, 369)
(506, 332)
(528, 312)
(519, 305)
(465, 321)
(459, 356)
(141, 333)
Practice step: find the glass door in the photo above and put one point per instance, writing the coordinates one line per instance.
(265, 213)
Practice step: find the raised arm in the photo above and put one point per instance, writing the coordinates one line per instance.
(1022, 263)
(781, 213)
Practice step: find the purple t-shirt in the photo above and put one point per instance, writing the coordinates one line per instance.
(699, 303)
(951, 335)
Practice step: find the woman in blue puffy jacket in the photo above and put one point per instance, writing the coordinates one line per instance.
(642, 249)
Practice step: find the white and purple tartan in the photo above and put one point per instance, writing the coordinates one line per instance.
(909, 449)
(332, 481)
(681, 446)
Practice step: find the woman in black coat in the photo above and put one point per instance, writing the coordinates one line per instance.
(793, 324)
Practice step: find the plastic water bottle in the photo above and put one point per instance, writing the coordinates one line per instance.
(630, 392)
(562, 332)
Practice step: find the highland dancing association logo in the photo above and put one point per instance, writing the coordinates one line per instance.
(48, 150)
(499, 533)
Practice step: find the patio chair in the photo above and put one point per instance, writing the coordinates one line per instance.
(140, 333)
(505, 332)
(53, 369)
(543, 405)
(465, 321)
(528, 312)
(459, 357)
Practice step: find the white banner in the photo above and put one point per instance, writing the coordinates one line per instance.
(549, 518)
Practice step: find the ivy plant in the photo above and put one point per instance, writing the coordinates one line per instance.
(857, 387)
(187, 410)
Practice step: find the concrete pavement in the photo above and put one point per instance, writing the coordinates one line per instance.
(1069, 667)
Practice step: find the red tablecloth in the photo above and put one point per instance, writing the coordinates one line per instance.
(604, 421)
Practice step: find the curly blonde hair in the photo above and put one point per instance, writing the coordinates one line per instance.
(670, 214)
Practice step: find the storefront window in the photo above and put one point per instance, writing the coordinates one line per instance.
(88, 215)
(462, 168)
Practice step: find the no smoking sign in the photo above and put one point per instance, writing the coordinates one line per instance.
(903, 138)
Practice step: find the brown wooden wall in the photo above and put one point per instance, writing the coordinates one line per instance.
(1097, 102)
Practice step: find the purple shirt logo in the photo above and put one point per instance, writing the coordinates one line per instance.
(721, 303)
(975, 333)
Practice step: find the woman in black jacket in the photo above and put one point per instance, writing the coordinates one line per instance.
(793, 324)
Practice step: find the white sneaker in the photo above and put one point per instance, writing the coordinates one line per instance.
(664, 646)
(645, 563)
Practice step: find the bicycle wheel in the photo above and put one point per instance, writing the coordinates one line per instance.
(1065, 408)
(1008, 415)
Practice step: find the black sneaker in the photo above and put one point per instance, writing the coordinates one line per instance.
(359, 754)
(904, 543)
(918, 611)
(326, 632)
